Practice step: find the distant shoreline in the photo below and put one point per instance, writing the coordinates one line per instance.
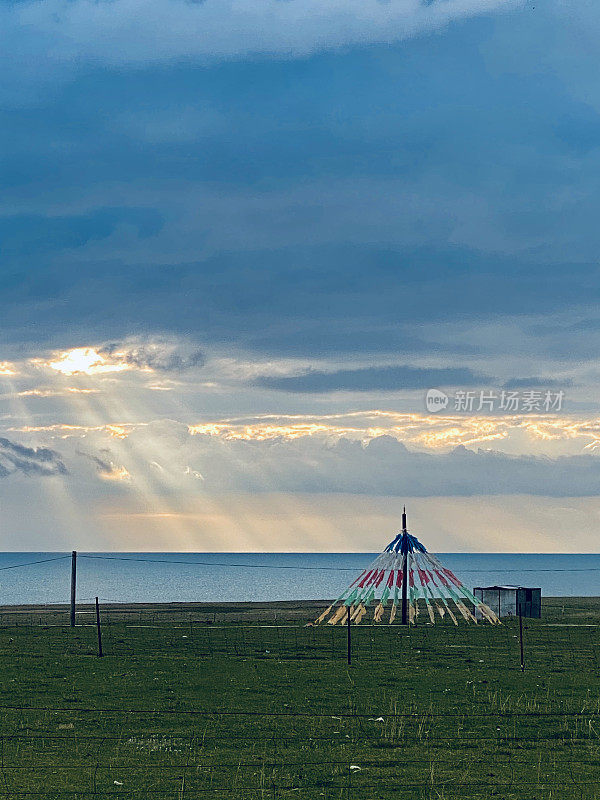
(207, 613)
(226, 606)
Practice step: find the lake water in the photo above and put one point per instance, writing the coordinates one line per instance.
(161, 577)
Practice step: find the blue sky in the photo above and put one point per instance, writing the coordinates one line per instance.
(265, 230)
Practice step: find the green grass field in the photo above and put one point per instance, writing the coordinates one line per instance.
(181, 708)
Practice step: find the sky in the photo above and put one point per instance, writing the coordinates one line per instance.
(241, 241)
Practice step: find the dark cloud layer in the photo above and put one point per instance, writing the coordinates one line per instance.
(246, 298)
(537, 383)
(322, 339)
(157, 355)
(35, 234)
(377, 379)
(31, 461)
(396, 186)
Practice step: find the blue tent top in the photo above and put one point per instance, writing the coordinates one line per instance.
(405, 543)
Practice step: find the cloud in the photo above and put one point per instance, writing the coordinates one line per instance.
(551, 434)
(105, 467)
(300, 461)
(66, 431)
(251, 301)
(161, 355)
(321, 339)
(376, 379)
(135, 32)
(31, 234)
(85, 361)
(387, 467)
(395, 188)
(44, 392)
(15, 457)
(538, 383)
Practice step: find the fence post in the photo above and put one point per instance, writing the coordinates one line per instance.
(73, 585)
(521, 637)
(349, 642)
(98, 629)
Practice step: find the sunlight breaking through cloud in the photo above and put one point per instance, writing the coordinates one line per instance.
(85, 361)
(426, 431)
(66, 431)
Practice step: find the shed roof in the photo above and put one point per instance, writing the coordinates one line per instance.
(537, 588)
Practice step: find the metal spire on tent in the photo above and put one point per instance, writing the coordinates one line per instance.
(406, 574)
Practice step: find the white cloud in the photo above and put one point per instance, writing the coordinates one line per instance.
(84, 361)
(384, 466)
(136, 31)
(314, 464)
(203, 490)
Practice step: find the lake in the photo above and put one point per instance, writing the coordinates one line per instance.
(235, 577)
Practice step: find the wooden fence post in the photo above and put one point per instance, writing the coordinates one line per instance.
(73, 585)
(521, 637)
(98, 629)
(349, 641)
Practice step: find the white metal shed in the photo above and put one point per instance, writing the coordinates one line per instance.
(505, 600)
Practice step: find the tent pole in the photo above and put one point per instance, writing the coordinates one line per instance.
(404, 590)
(404, 572)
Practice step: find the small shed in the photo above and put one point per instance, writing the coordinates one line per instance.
(505, 600)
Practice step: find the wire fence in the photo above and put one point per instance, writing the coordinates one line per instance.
(567, 637)
(249, 701)
(443, 730)
(556, 611)
(335, 756)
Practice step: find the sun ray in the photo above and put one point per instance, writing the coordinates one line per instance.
(55, 489)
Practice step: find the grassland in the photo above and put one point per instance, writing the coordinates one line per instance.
(218, 702)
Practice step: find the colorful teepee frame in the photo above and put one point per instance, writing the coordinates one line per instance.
(404, 574)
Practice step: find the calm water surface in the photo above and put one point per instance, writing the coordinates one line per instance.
(265, 576)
